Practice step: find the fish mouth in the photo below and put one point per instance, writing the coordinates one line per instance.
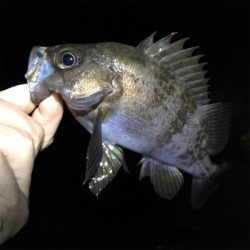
(89, 102)
(38, 92)
(39, 75)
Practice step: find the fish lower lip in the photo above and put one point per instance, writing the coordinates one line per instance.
(35, 98)
(38, 93)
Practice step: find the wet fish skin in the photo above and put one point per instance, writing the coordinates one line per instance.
(152, 99)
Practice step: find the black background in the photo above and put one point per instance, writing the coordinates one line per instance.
(128, 214)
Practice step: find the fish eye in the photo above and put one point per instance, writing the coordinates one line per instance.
(67, 59)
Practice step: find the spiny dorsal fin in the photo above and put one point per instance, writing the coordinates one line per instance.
(180, 63)
(151, 48)
(186, 71)
(147, 42)
(173, 57)
(173, 48)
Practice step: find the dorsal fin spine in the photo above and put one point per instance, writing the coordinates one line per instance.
(173, 57)
(148, 41)
(191, 69)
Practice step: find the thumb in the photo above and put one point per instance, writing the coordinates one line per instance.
(48, 115)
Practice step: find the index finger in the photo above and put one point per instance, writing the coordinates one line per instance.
(20, 96)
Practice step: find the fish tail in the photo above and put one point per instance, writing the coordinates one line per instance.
(203, 187)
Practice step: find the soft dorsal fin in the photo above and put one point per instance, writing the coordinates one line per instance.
(218, 116)
(179, 62)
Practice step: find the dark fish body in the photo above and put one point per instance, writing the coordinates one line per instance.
(151, 99)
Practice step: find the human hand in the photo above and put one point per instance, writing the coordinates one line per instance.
(22, 136)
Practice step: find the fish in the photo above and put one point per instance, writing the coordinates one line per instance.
(151, 99)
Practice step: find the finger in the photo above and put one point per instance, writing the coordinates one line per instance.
(20, 96)
(48, 115)
(12, 116)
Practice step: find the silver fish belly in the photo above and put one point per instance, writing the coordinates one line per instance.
(151, 99)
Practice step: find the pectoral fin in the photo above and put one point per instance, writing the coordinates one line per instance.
(89, 101)
(95, 150)
(167, 180)
(111, 162)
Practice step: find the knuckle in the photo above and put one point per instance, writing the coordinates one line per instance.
(25, 138)
(38, 136)
(15, 136)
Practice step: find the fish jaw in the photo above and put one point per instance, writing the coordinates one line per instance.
(41, 76)
(35, 75)
(37, 92)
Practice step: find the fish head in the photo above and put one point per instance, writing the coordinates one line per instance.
(73, 71)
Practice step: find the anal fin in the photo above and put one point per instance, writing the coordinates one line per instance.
(167, 180)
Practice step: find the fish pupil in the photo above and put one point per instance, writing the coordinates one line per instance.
(68, 59)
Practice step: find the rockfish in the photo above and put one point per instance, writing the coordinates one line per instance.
(151, 99)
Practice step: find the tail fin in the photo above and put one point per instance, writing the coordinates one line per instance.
(203, 188)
